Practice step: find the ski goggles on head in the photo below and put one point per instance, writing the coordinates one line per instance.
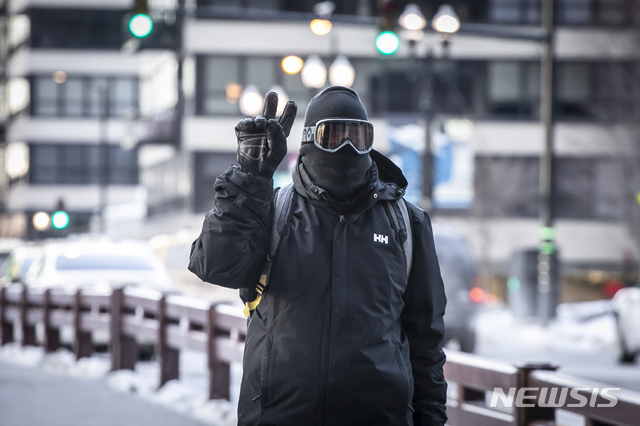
(333, 133)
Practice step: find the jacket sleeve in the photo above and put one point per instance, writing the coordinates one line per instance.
(233, 245)
(422, 322)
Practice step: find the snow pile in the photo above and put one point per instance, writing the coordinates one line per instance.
(92, 367)
(595, 334)
(584, 311)
(127, 381)
(579, 327)
(61, 361)
(186, 400)
(28, 356)
(176, 395)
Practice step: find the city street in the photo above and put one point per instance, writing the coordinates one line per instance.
(601, 367)
(31, 397)
(582, 349)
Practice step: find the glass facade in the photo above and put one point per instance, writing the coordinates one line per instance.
(217, 73)
(77, 28)
(79, 164)
(584, 188)
(520, 12)
(80, 96)
(485, 90)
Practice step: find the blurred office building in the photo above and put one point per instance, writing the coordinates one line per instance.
(474, 100)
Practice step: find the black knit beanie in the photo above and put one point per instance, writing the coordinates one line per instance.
(335, 102)
(345, 172)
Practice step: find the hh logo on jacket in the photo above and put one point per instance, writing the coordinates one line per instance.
(378, 238)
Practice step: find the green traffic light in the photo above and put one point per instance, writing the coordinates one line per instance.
(387, 42)
(513, 283)
(140, 25)
(60, 220)
(547, 247)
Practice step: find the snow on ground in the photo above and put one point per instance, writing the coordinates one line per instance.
(188, 395)
(578, 327)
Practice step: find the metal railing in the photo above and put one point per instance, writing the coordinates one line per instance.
(134, 316)
(475, 378)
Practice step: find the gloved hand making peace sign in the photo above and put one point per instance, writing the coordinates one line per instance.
(262, 140)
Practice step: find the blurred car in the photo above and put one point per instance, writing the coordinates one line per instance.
(97, 265)
(7, 245)
(15, 266)
(626, 307)
(458, 270)
(174, 250)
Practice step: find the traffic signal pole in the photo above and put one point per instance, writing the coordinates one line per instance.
(179, 51)
(547, 279)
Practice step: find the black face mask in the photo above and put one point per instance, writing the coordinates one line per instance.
(342, 174)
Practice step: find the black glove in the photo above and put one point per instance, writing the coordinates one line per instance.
(262, 140)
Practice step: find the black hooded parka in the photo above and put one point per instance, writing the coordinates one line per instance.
(341, 336)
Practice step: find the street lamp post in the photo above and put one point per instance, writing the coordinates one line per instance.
(446, 23)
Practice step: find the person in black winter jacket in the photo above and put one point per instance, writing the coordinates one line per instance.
(343, 335)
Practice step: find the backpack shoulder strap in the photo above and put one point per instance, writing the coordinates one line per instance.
(407, 246)
(281, 213)
(282, 208)
(402, 218)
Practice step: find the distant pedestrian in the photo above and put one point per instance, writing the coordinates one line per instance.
(348, 327)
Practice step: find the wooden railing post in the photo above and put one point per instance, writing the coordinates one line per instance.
(28, 331)
(219, 372)
(6, 328)
(525, 415)
(51, 335)
(82, 344)
(124, 349)
(168, 357)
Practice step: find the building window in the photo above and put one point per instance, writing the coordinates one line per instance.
(515, 11)
(507, 186)
(207, 167)
(79, 164)
(123, 166)
(588, 188)
(573, 91)
(44, 96)
(76, 28)
(574, 12)
(393, 92)
(513, 89)
(250, 4)
(568, 12)
(595, 12)
(80, 96)
(595, 91)
(583, 188)
(217, 73)
(519, 12)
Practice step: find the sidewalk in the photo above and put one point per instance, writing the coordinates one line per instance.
(32, 397)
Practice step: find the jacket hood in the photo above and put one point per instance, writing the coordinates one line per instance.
(386, 182)
(388, 172)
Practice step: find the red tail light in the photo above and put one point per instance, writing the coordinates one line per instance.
(477, 295)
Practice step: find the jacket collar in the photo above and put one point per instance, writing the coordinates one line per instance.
(386, 183)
